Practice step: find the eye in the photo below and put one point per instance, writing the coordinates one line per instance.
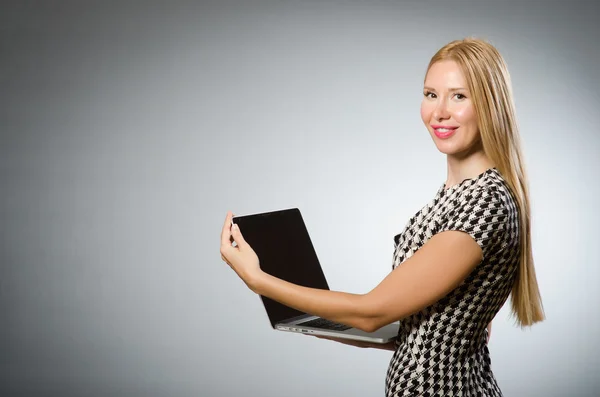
(429, 94)
(460, 96)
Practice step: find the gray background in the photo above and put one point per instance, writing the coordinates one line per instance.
(129, 130)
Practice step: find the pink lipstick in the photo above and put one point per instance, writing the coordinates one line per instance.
(443, 131)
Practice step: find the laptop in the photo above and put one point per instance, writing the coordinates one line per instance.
(285, 250)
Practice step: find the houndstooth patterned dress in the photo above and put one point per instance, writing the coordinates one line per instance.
(442, 350)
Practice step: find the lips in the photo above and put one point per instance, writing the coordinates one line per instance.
(443, 131)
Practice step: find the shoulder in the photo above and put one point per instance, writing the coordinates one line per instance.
(486, 210)
(494, 190)
(488, 192)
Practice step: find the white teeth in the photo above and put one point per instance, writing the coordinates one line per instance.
(443, 130)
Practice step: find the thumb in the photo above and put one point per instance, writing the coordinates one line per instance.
(237, 236)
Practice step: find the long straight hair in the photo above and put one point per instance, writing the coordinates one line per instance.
(491, 90)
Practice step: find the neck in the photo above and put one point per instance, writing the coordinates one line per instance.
(465, 167)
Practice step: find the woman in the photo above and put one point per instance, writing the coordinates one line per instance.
(458, 259)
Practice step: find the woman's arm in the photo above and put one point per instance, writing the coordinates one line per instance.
(342, 307)
(438, 267)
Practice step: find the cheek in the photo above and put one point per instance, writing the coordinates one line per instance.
(426, 110)
(465, 115)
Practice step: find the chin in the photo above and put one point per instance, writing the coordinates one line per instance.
(443, 147)
(448, 149)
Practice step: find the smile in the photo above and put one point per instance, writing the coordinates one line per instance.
(443, 132)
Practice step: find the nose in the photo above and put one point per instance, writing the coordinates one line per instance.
(441, 110)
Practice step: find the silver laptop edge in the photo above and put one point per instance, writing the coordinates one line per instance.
(382, 335)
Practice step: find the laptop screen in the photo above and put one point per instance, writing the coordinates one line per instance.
(281, 241)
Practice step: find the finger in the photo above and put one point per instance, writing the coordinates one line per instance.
(226, 232)
(237, 237)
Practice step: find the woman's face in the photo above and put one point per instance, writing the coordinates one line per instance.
(448, 111)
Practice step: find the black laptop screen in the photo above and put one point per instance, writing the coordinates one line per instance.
(284, 249)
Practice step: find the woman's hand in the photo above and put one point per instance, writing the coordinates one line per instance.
(241, 257)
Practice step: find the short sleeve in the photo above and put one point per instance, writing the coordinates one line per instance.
(481, 214)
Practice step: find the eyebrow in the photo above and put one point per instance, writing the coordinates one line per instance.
(450, 89)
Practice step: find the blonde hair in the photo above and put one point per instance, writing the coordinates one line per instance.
(490, 86)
